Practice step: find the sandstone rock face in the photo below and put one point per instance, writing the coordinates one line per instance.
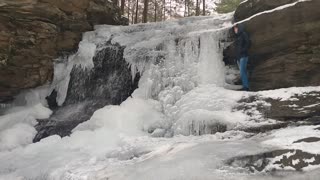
(35, 32)
(252, 7)
(285, 48)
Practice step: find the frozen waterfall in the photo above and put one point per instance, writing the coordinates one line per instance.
(180, 93)
(172, 59)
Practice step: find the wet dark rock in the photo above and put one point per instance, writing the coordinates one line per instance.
(6, 99)
(66, 118)
(108, 83)
(53, 127)
(285, 48)
(303, 108)
(294, 159)
(308, 140)
(51, 99)
(110, 79)
(265, 128)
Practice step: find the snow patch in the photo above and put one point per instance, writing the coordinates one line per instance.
(285, 138)
(16, 127)
(287, 94)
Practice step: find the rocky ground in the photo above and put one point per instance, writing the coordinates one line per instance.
(284, 53)
(299, 111)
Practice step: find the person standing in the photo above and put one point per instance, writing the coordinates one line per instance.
(242, 45)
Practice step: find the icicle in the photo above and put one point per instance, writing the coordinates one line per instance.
(62, 70)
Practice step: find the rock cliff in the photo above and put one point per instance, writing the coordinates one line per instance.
(285, 48)
(35, 32)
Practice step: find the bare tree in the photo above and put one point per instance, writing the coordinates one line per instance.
(164, 10)
(204, 7)
(122, 6)
(128, 15)
(132, 13)
(160, 11)
(155, 10)
(170, 9)
(188, 7)
(197, 8)
(137, 8)
(115, 2)
(185, 8)
(145, 11)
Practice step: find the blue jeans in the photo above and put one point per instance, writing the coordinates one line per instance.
(243, 71)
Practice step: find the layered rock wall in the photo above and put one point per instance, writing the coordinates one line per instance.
(35, 32)
(285, 48)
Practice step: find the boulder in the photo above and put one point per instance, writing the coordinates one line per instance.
(285, 48)
(35, 32)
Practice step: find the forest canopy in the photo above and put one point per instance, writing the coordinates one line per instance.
(142, 11)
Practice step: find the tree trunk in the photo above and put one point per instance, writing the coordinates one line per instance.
(122, 6)
(185, 8)
(115, 2)
(136, 18)
(197, 8)
(160, 12)
(188, 7)
(129, 2)
(164, 10)
(132, 13)
(145, 11)
(204, 8)
(170, 9)
(155, 11)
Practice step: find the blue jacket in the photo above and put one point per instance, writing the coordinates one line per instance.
(242, 43)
